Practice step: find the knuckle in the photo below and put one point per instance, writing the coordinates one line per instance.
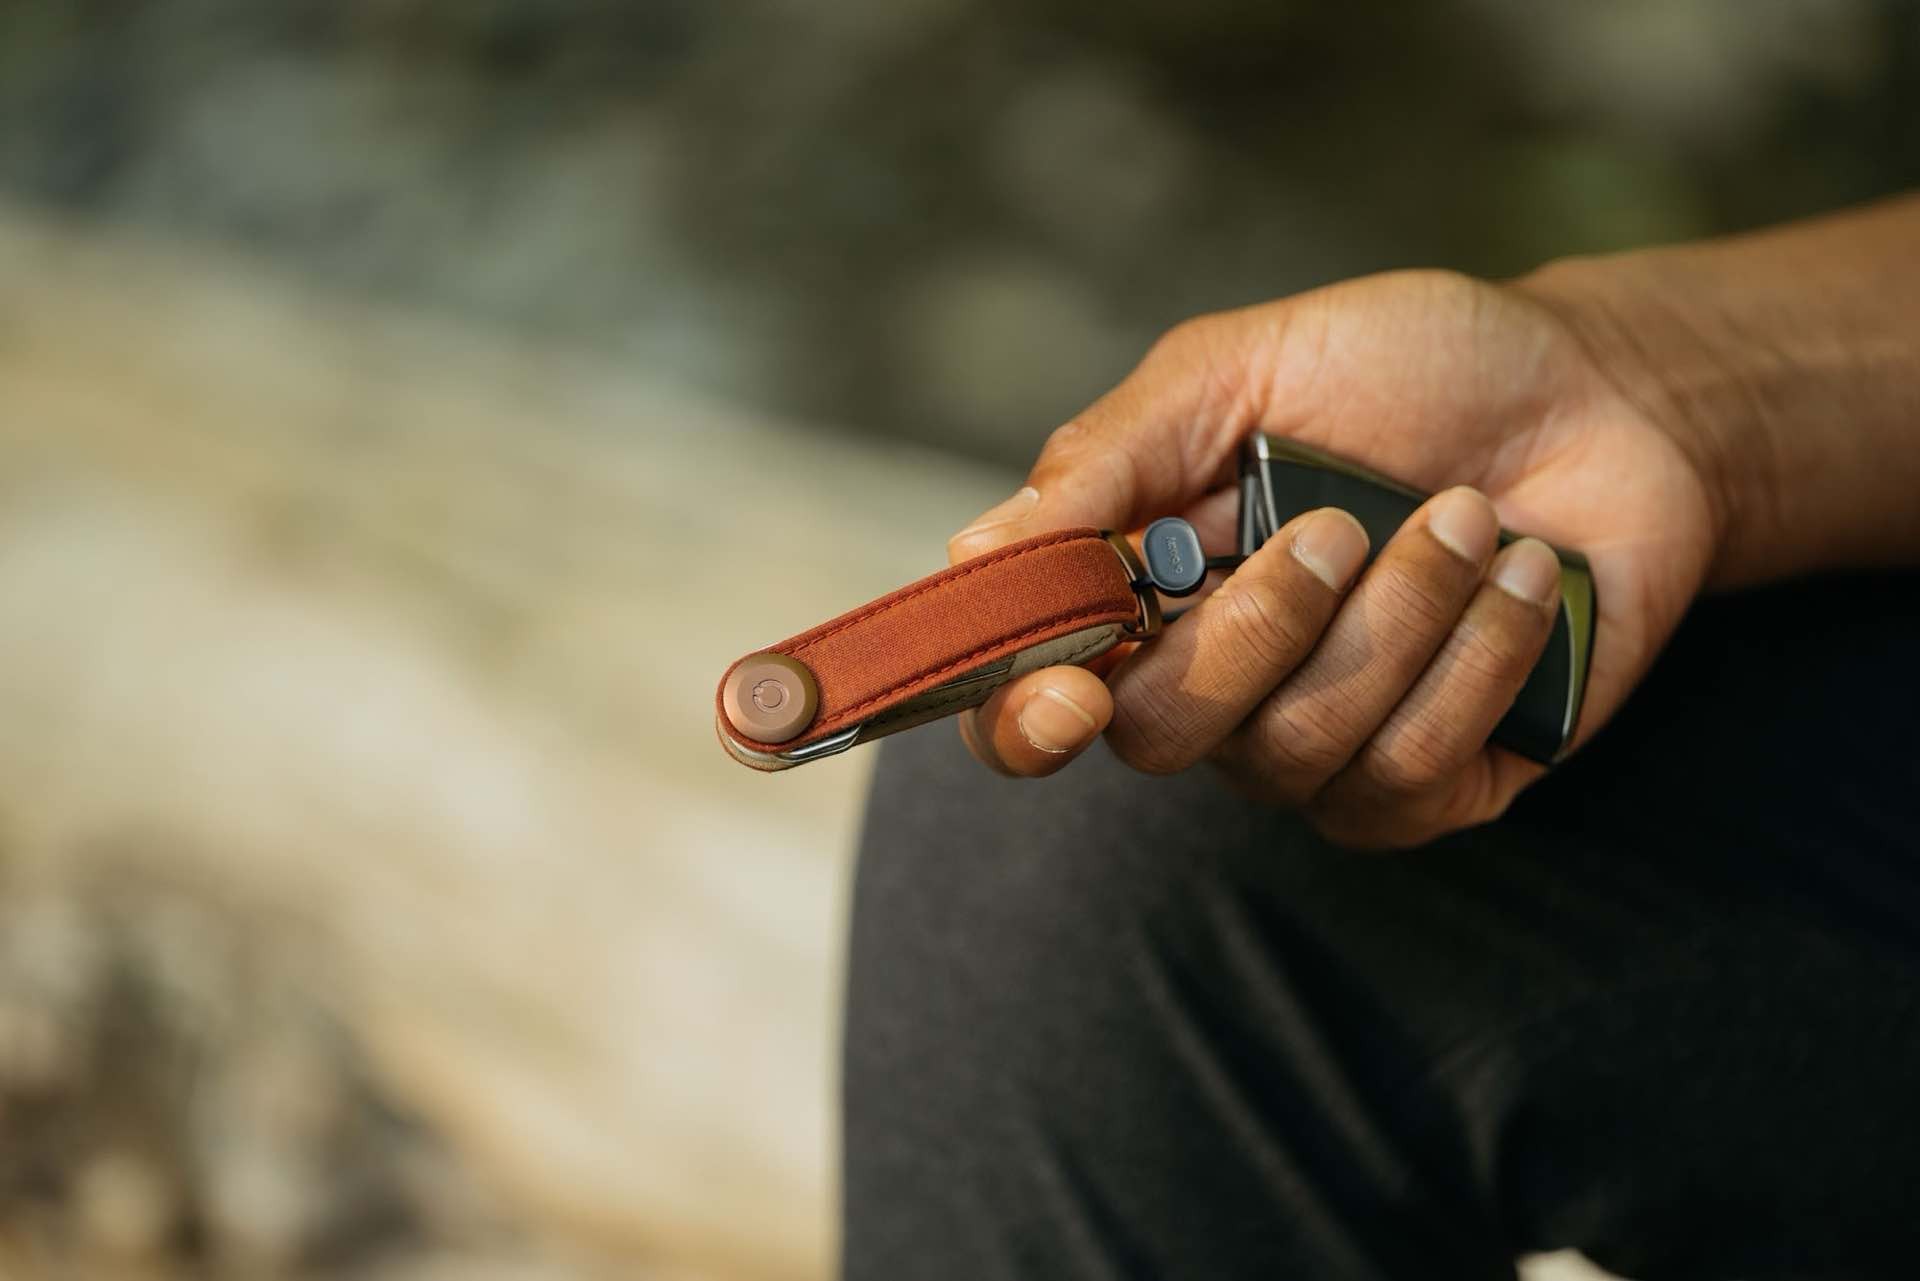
(1440, 287)
(1183, 337)
(1082, 447)
(1473, 806)
(1148, 735)
(1200, 354)
(1140, 752)
(1061, 444)
(1490, 809)
(1413, 600)
(1483, 657)
(1446, 283)
(1304, 739)
(1265, 628)
(1411, 758)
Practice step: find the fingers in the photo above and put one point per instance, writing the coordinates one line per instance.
(1038, 723)
(1426, 770)
(1374, 651)
(1179, 697)
(1366, 703)
(1160, 439)
(1174, 701)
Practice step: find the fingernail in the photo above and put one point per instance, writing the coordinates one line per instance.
(1017, 508)
(1463, 520)
(1053, 722)
(1332, 545)
(1528, 570)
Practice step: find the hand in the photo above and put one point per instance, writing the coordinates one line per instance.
(1364, 699)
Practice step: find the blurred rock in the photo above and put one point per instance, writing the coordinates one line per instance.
(136, 1131)
(125, 1207)
(370, 875)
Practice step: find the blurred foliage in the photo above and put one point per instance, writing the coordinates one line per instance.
(954, 221)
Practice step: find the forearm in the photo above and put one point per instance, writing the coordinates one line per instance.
(1787, 364)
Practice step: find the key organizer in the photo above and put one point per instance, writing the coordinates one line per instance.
(945, 643)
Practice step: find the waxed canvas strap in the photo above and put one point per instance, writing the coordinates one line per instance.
(895, 661)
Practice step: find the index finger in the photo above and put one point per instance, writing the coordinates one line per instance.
(1153, 444)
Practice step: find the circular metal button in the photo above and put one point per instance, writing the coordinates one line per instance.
(770, 698)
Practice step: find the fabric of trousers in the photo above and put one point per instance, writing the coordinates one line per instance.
(1666, 1011)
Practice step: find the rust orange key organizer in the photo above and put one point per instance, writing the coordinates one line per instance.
(935, 647)
(947, 642)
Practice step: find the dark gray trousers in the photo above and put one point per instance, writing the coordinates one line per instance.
(1666, 1012)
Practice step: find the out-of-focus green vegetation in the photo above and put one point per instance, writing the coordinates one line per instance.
(946, 219)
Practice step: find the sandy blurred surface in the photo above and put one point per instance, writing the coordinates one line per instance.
(398, 641)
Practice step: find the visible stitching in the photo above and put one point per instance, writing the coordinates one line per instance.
(1062, 626)
(972, 567)
(1073, 623)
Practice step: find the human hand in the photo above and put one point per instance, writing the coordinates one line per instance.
(1365, 698)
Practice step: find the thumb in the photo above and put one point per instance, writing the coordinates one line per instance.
(1151, 446)
(984, 532)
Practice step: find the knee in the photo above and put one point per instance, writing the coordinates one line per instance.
(1008, 934)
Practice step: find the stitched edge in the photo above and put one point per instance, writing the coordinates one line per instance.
(1059, 626)
(964, 570)
(840, 720)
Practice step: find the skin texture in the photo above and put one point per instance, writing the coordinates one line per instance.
(1590, 405)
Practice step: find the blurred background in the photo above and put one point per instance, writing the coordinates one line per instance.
(392, 394)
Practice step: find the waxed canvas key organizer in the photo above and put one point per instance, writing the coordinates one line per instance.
(945, 643)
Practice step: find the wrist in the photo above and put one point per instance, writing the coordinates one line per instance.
(1637, 320)
(1785, 366)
